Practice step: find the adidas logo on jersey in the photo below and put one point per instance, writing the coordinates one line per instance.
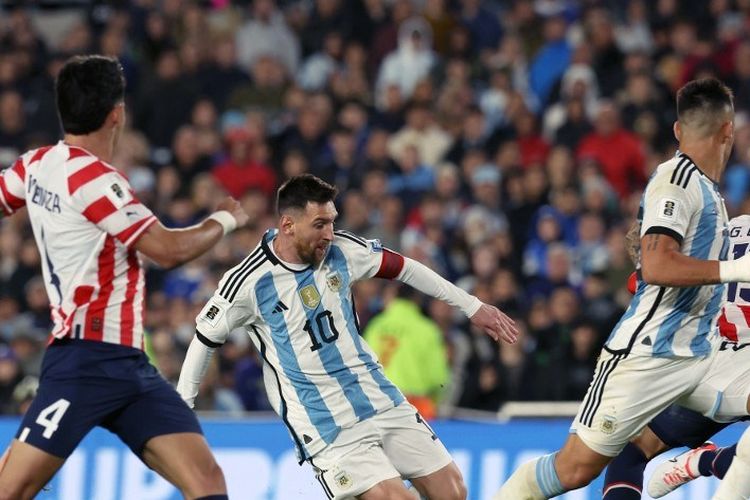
(279, 307)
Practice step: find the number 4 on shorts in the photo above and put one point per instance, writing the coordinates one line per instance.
(50, 417)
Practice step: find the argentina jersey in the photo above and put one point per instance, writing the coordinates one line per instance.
(319, 374)
(683, 203)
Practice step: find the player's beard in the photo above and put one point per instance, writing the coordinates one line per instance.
(311, 254)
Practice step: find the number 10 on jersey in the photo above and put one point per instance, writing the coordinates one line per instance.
(321, 328)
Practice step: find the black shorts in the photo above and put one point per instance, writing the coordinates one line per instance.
(85, 384)
(677, 426)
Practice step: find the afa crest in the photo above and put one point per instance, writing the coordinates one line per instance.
(343, 480)
(334, 281)
(608, 424)
(310, 296)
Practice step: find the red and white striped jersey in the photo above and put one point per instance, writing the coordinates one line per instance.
(734, 321)
(86, 220)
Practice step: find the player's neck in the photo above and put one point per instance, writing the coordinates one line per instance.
(284, 250)
(98, 143)
(706, 157)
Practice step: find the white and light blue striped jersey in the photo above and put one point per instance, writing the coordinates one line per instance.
(682, 202)
(319, 373)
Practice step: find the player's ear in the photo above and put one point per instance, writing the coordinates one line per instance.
(727, 132)
(116, 117)
(677, 130)
(286, 224)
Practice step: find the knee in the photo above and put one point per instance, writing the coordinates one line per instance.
(574, 476)
(382, 492)
(207, 481)
(456, 489)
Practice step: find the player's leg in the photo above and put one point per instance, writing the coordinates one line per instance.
(26, 471)
(185, 460)
(612, 413)
(355, 465)
(624, 476)
(445, 483)
(736, 482)
(160, 428)
(418, 454)
(673, 428)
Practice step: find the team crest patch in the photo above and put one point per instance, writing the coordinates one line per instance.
(343, 480)
(334, 281)
(310, 296)
(608, 424)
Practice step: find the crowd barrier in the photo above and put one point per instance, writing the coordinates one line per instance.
(260, 464)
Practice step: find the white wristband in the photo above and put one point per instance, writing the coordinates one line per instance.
(733, 271)
(227, 220)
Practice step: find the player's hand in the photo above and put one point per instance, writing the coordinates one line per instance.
(233, 207)
(495, 324)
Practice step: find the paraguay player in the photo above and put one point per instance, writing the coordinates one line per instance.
(90, 228)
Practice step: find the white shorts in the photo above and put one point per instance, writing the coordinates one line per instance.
(628, 391)
(395, 443)
(723, 393)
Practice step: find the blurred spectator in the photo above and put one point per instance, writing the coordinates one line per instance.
(619, 152)
(420, 131)
(411, 349)
(411, 62)
(266, 34)
(244, 168)
(551, 60)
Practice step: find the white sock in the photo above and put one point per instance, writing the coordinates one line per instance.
(522, 485)
(736, 482)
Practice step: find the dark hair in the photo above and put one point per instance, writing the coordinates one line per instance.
(707, 96)
(298, 191)
(87, 89)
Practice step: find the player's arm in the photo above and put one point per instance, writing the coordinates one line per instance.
(369, 259)
(663, 264)
(12, 190)
(213, 324)
(667, 213)
(172, 247)
(487, 317)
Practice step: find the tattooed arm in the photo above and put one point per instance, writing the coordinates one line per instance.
(633, 242)
(663, 264)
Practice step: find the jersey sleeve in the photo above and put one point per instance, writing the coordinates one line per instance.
(668, 207)
(220, 316)
(368, 258)
(109, 202)
(12, 191)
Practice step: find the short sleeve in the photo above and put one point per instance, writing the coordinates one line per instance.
(364, 257)
(109, 202)
(219, 317)
(12, 191)
(668, 207)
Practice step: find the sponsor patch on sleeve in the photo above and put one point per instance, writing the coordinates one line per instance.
(212, 313)
(376, 246)
(118, 194)
(668, 209)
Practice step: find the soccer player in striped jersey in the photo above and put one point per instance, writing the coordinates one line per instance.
(663, 346)
(727, 383)
(292, 296)
(91, 231)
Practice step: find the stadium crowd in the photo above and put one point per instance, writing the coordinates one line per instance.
(503, 143)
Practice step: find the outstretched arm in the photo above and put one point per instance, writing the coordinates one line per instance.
(172, 247)
(489, 318)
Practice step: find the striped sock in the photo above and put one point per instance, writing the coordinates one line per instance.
(546, 476)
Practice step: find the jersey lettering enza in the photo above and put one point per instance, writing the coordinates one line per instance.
(85, 219)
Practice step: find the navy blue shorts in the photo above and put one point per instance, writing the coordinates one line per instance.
(677, 426)
(85, 384)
